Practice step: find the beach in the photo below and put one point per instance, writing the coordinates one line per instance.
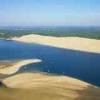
(73, 43)
(41, 86)
(11, 67)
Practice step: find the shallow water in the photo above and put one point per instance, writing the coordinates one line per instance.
(78, 64)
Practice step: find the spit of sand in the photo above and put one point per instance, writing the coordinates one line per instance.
(11, 67)
(41, 86)
(75, 43)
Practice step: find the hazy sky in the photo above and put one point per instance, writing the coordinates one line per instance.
(49, 12)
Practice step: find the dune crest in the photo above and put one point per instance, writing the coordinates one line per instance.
(75, 43)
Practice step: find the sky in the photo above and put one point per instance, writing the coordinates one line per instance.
(49, 12)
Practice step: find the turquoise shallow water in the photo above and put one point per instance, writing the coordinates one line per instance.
(78, 64)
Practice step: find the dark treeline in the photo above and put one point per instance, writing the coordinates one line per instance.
(86, 32)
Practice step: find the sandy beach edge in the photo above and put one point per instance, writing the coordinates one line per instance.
(49, 87)
(74, 43)
(11, 69)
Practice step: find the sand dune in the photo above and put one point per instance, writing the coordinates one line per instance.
(48, 87)
(75, 43)
(11, 68)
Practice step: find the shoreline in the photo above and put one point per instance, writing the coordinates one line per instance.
(41, 86)
(73, 43)
(39, 79)
(16, 65)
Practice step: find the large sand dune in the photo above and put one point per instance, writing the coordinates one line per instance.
(75, 43)
(39, 86)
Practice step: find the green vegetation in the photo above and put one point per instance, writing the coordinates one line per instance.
(86, 32)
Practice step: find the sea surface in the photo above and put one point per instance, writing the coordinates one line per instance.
(78, 64)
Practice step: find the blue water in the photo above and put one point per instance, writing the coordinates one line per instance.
(78, 64)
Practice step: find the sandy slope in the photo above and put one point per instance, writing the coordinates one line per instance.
(11, 68)
(76, 43)
(46, 87)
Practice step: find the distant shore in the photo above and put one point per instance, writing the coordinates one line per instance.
(74, 43)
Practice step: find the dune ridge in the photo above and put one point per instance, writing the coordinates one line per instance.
(75, 43)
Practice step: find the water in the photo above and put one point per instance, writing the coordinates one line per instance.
(82, 65)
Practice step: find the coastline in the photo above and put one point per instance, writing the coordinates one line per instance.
(43, 86)
(13, 67)
(40, 86)
(74, 43)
